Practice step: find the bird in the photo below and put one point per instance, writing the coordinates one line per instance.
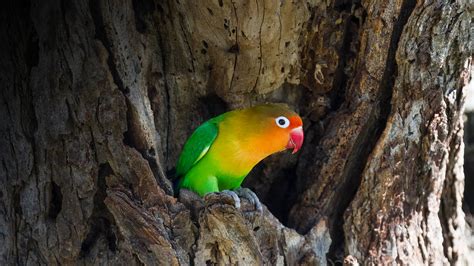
(222, 151)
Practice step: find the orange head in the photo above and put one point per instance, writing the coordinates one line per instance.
(270, 128)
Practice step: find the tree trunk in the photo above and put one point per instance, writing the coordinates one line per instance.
(98, 98)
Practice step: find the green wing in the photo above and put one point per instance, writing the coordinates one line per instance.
(196, 147)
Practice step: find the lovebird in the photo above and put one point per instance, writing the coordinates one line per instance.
(223, 150)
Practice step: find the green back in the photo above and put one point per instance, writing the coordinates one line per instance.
(196, 146)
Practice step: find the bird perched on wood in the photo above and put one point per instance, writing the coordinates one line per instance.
(222, 151)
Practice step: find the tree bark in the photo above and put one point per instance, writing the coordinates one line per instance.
(98, 98)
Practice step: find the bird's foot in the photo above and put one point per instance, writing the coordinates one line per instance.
(226, 196)
(250, 195)
(234, 196)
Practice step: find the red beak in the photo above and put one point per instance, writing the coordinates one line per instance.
(296, 139)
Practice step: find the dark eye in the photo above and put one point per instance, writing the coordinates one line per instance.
(282, 122)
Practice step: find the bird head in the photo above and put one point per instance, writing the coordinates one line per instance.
(276, 127)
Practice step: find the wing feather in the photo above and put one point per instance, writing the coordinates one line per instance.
(196, 147)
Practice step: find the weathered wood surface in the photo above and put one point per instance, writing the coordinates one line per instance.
(98, 98)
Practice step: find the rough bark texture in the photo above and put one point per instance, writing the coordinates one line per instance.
(468, 201)
(98, 98)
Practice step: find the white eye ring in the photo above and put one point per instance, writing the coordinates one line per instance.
(282, 122)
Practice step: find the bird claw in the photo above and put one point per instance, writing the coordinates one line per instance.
(234, 196)
(229, 197)
(250, 195)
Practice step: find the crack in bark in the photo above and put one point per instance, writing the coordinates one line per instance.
(62, 4)
(279, 28)
(101, 35)
(447, 237)
(161, 46)
(55, 204)
(341, 79)
(141, 9)
(181, 21)
(260, 58)
(32, 51)
(12, 147)
(391, 68)
(101, 220)
(148, 155)
(371, 132)
(236, 44)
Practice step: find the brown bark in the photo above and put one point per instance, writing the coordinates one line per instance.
(98, 98)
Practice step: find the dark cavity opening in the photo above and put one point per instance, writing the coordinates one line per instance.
(56, 202)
